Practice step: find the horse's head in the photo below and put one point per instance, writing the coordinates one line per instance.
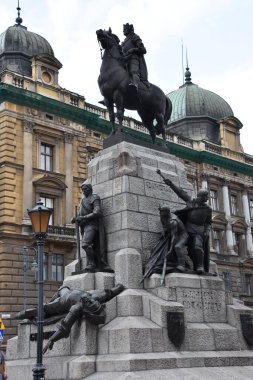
(106, 38)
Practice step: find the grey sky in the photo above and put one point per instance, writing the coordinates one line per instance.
(217, 34)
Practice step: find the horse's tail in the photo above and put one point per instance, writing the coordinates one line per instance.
(168, 111)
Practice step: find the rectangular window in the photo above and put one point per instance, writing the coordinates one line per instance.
(248, 288)
(237, 242)
(46, 157)
(251, 208)
(214, 200)
(227, 281)
(57, 267)
(49, 203)
(217, 240)
(233, 204)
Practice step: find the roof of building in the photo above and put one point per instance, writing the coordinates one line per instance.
(18, 45)
(191, 100)
(18, 39)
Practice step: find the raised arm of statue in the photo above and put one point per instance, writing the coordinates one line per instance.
(181, 193)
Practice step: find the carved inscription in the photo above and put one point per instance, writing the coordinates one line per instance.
(156, 186)
(211, 300)
(192, 299)
(207, 300)
(160, 191)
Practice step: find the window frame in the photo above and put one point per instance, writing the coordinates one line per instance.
(44, 198)
(48, 264)
(248, 284)
(217, 240)
(214, 201)
(227, 280)
(234, 209)
(251, 208)
(45, 156)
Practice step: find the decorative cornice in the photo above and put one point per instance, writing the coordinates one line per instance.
(92, 121)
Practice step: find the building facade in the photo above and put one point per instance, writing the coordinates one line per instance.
(44, 150)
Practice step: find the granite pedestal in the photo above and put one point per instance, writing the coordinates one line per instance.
(135, 336)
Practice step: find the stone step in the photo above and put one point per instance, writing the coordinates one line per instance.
(56, 368)
(130, 302)
(163, 360)
(195, 373)
(82, 367)
(130, 334)
(212, 336)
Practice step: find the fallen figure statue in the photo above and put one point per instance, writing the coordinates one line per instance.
(71, 305)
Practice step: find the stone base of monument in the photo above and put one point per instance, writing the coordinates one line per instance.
(189, 322)
(136, 336)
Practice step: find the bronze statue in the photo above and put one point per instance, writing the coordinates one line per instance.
(169, 255)
(149, 101)
(197, 217)
(133, 51)
(91, 226)
(71, 305)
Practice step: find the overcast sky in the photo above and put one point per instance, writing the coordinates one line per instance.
(218, 35)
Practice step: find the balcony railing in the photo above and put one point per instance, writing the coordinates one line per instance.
(206, 145)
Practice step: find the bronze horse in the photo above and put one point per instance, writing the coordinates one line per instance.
(150, 102)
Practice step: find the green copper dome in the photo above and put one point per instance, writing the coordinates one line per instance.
(18, 46)
(18, 39)
(191, 100)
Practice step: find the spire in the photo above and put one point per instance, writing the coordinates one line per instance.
(19, 20)
(187, 74)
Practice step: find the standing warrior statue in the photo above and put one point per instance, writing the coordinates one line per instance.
(133, 51)
(197, 217)
(90, 222)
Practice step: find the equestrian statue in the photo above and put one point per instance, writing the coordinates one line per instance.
(123, 82)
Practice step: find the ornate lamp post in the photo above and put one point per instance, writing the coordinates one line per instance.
(39, 216)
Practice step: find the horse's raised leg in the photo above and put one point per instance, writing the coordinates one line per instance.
(118, 98)
(109, 106)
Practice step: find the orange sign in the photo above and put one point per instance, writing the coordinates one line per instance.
(2, 327)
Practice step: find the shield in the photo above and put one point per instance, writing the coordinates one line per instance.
(247, 327)
(176, 327)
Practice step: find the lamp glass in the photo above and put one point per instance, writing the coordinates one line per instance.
(39, 216)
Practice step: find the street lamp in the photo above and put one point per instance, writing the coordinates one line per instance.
(40, 216)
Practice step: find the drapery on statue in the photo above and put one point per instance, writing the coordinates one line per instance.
(197, 217)
(71, 305)
(147, 99)
(169, 254)
(91, 225)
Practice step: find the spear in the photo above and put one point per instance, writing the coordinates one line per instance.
(78, 242)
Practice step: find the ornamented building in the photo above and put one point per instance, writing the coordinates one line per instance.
(205, 124)
(48, 136)
(44, 150)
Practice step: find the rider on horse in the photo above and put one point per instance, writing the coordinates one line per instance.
(133, 51)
